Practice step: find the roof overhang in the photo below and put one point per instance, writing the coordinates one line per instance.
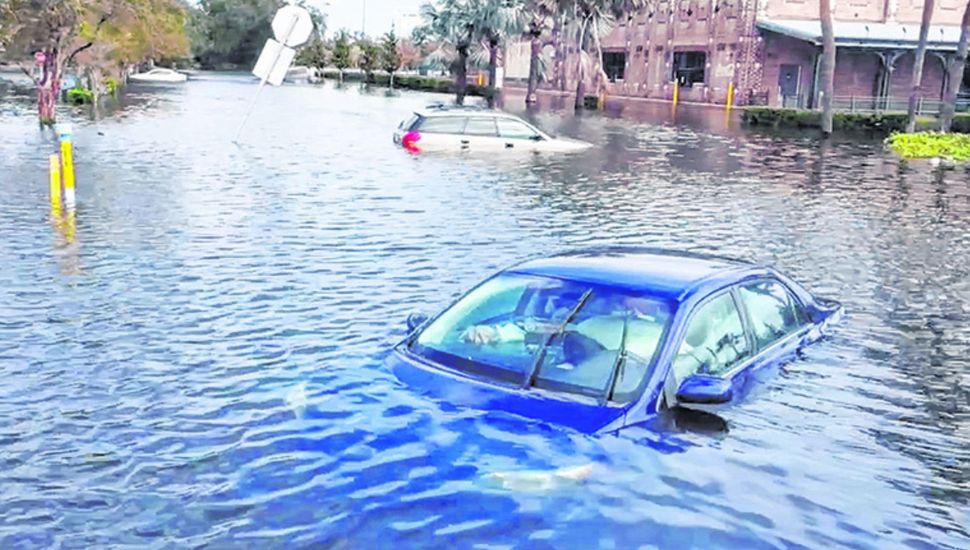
(860, 34)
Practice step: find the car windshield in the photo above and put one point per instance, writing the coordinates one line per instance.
(550, 333)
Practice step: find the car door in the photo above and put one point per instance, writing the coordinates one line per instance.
(715, 343)
(516, 134)
(442, 132)
(481, 134)
(777, 320)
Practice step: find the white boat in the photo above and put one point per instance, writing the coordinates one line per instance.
(159, 75)
(300, 73)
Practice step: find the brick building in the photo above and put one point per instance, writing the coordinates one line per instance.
(769, 49)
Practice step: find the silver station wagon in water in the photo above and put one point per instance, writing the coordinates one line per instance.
(459, 128)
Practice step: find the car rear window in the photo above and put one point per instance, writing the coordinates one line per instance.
(411, 123)
(442, 125)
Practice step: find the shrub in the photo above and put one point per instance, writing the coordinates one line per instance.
(851, 122)
(931, 145)
(961, 123)
(80, 96)
(111, 86)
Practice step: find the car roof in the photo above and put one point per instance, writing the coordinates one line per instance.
(441, 110)
(667, 274)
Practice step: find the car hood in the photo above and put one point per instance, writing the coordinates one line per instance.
(457, 388)
(570, 143)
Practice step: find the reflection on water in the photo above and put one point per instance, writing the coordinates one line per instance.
(194, 359)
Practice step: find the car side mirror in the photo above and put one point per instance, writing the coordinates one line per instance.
(536, 137)
(702, 389)
(415, 320)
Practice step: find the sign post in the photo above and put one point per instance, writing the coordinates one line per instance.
(292, 27)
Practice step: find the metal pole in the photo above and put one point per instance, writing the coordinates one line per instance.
(262, 83)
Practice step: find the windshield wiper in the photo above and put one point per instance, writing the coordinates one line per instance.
(618, 365)
(534, 369)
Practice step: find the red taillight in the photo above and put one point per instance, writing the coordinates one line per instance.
(410, 140)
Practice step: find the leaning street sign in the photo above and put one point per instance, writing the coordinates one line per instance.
(274, 62)
(292, 27)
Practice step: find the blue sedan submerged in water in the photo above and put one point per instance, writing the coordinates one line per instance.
(598, 340)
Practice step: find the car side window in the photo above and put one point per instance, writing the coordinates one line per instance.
(513, 129)
(443, 125)
(773, 311)
(714, 342)
(481, 126)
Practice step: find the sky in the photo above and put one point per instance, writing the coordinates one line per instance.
(381, 14)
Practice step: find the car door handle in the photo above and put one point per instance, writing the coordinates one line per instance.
(464, 143)
(509, 145)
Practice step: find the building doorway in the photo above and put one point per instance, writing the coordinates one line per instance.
(788, 85)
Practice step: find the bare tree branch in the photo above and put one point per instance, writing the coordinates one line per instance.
(29, 74)
(104, 19)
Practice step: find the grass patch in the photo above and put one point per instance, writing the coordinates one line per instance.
(926, 145)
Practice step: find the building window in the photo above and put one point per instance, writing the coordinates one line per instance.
(689, 68)
(614, 63)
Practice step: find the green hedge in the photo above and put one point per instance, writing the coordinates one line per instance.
(408, 82)
(878, 122)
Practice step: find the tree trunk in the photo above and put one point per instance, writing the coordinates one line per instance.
(599, 75)
(955, 74)
(492, 72)
(534, 57)
(827, 66)
(461, 75)
(48, 89)
(559, 65)
(914, 93)
(580, 69)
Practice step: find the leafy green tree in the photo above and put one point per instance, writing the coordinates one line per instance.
(87, 34)
(233, 31)
(370, 57)
(315, 52)
(390, 57)
(341, 52)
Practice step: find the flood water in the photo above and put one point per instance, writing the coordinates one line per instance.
(195, 360)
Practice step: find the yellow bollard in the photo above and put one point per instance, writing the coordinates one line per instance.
(601, 102)
(676, 92)
(730, 97)
(55, 163)
(67, 163)
(69, 227)
(481, 79)
(67, 167)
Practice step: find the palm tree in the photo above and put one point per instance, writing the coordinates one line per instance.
(452, 23)
(540, 11)
(596, 18)
(495, 21)
(955, 74)
(924, 31)
(826, 68)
